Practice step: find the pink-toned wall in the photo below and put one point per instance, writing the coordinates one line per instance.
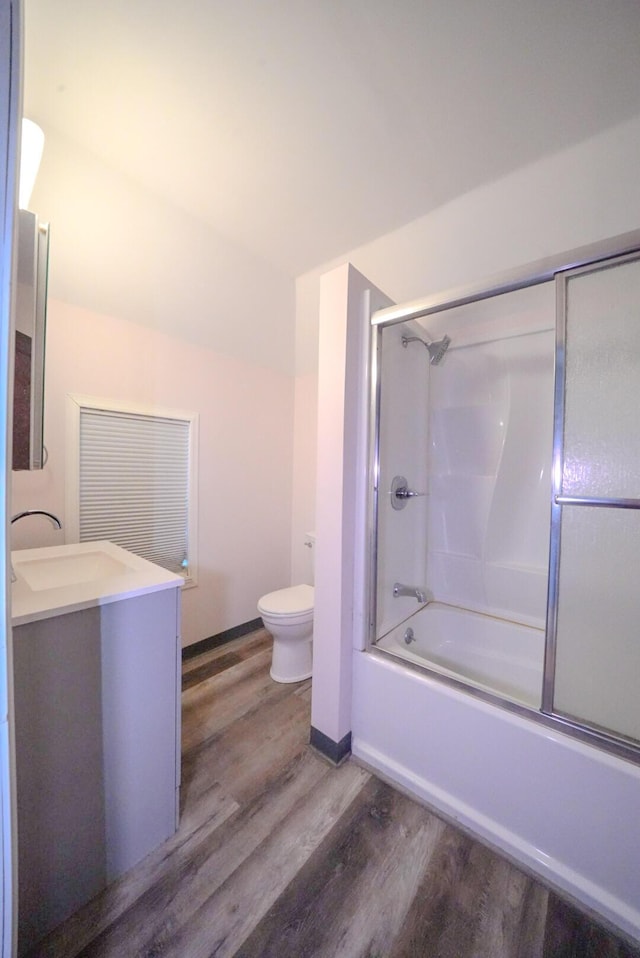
(245, 452)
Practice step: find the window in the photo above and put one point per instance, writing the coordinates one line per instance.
(131, 479)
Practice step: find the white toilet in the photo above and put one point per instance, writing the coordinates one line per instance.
(288, 615)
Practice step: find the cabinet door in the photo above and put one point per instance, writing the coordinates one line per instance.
(139, 725)
(59, 769)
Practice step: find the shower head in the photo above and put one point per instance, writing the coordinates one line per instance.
(436, 349)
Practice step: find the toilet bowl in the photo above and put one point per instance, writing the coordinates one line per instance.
(288, 615)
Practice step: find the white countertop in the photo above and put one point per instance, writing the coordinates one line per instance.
(60, 579)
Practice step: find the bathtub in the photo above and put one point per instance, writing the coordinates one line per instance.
(492, 654)
(556, 805)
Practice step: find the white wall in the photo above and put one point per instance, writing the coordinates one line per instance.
(246, 426)
(119, 249)
(148, 304)
(305, 426)
(580, 195)
(340, 519)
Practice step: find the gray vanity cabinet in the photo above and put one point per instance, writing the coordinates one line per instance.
(97, 701)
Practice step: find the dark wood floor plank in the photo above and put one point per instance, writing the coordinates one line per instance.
(501, 930)
(570, 934)
(303, 689)
(473, 903)
(244, 644)
(230, 912)
(352, 896)
(190, 880)
(250, 752)
(374, 912)
(431, 912)
(256, 642)
(297, 922)
(214, 665)
(456, 921)
(279, 854)
(533, 922)
(222, 699)
(209, 669)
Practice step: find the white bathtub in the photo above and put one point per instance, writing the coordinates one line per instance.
(489, 653)
(555, 804)
(562, 808)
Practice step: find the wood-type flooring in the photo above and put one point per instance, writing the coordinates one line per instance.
(280, 855)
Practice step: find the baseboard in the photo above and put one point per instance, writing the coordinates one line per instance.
(205, 645)
(335, 752)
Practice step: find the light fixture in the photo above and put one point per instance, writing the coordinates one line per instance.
(30, 156)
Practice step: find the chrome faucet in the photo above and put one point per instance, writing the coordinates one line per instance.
(411, 590)
(34, 512)
(37, 512)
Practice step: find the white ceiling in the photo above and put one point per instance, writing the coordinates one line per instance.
(301, 129)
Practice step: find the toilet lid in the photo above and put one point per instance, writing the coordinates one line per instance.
(292, 601)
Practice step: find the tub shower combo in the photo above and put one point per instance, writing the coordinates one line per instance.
(501, 683)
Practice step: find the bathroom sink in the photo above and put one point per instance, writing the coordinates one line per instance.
(55, 572)
(59, 579)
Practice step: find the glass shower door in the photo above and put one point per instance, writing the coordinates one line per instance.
(593, 653)
(401, 516)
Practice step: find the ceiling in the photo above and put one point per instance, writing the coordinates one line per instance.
(301, 129)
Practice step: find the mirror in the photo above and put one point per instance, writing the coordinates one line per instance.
(29, 351)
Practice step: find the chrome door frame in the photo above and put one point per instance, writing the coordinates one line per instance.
(560, 501)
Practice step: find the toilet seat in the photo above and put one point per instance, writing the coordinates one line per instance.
(294, 601)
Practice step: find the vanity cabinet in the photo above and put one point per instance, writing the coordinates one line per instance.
(97, 718)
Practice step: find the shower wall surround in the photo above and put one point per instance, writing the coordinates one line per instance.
(490, 474)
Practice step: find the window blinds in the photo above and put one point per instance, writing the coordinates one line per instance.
(134, 484)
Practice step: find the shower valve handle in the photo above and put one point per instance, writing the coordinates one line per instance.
(401, 493)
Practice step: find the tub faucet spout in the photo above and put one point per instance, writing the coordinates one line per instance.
(417, 593)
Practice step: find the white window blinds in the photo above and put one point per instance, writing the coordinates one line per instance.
(133, 484)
